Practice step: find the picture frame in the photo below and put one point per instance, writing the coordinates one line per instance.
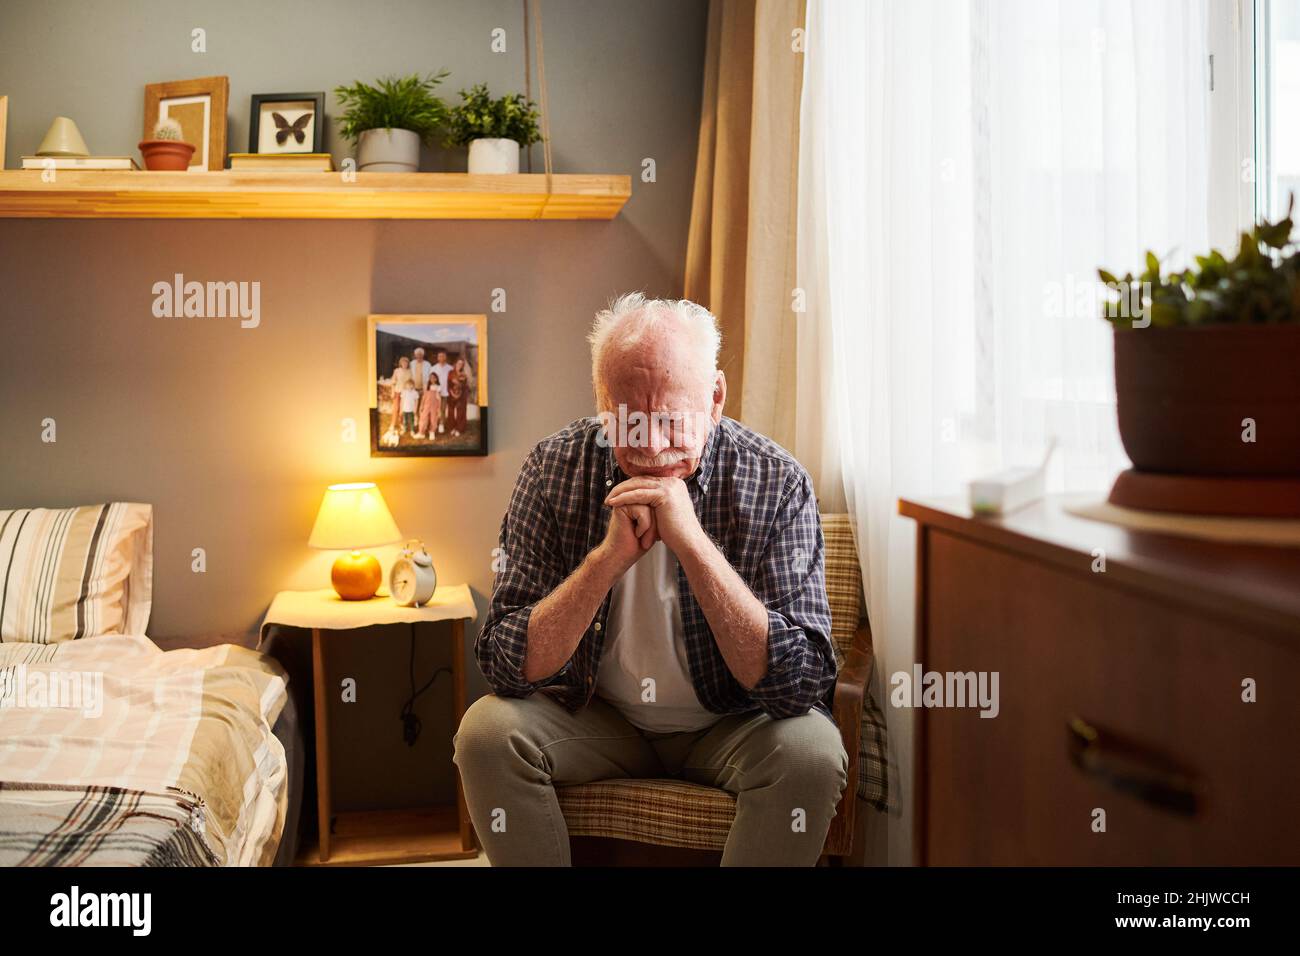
(4, 123)
(286, 123)
(410, 355)
(199, 105)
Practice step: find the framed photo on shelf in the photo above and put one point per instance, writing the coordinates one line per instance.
(428, 385)
(286, 123)
(4, 121)
(200, 107)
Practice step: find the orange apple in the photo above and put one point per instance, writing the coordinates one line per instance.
(356, 576)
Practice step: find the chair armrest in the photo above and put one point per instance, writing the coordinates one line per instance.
(850, 692)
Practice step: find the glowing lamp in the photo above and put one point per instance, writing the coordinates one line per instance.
(352, 517)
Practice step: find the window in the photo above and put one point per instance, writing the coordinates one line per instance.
(1276, 105)
(1254, 50)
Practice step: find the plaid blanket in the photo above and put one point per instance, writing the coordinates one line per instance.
(875, 777)
(114, 753)
(50, 825)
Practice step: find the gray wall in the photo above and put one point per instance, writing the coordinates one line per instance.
(234, 433)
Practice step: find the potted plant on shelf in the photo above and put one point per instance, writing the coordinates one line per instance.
(166, 150)
(494, 130)
(390, 119)
(1207, 365)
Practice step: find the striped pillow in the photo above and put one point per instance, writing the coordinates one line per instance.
(75, 572)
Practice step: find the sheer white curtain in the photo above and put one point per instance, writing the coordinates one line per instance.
(964, 169)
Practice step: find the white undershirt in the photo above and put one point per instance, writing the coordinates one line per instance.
(644, 639)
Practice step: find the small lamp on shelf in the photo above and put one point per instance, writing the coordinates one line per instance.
(351, 517)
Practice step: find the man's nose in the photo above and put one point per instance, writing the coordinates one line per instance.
(660, 439)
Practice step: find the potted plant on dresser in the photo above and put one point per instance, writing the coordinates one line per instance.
(494, 130)
(1207, 380)
(388, 120)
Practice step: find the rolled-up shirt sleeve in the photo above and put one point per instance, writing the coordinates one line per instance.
(791, 583)
(528, 569)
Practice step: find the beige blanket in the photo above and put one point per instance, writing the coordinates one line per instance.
(116, 711)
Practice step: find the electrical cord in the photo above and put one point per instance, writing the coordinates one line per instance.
(411, 725)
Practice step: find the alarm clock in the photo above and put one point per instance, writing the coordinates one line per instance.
(412, 579)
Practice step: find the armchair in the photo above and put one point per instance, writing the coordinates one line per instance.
(674, 822)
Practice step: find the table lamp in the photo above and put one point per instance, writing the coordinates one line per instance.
(351, 517)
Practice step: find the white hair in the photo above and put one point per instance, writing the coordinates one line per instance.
(632, 315)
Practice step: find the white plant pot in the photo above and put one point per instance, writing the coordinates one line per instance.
(388, 151)
(493, 156)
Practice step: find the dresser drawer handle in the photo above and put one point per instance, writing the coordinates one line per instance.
(1131, 768)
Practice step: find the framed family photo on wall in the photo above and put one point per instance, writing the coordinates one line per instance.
(428, 384)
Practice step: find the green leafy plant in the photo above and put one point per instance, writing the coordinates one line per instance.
(167, 128)
(478, 116)
(406, 102)
(1260, 284)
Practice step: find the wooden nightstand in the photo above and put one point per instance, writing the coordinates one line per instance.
(378, 836)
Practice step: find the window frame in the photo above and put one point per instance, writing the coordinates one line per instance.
(1238, 143)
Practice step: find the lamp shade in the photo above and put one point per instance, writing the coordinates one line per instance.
(353, 516)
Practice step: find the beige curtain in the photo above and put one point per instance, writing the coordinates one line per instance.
(740, 253)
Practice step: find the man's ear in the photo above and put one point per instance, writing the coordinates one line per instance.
(719, 395)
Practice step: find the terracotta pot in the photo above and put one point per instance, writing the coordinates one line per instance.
(166, 154)
(1185, 394)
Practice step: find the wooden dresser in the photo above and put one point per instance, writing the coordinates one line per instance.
(1119, 690)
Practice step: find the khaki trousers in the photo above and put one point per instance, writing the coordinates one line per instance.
(512, 753)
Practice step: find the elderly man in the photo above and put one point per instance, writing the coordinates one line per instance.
(660, 611)
(420, 367)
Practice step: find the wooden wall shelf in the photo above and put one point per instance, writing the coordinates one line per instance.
(227, 194)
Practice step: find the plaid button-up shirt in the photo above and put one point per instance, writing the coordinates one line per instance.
(751, 497)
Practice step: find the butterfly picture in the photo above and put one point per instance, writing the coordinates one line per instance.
(283, 130)
(286, 123)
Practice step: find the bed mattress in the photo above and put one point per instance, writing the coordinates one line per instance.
(116, 753)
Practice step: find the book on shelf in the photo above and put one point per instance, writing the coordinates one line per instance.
(297, 162)
(79, 162)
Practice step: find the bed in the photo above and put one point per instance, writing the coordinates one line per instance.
(114, 751)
